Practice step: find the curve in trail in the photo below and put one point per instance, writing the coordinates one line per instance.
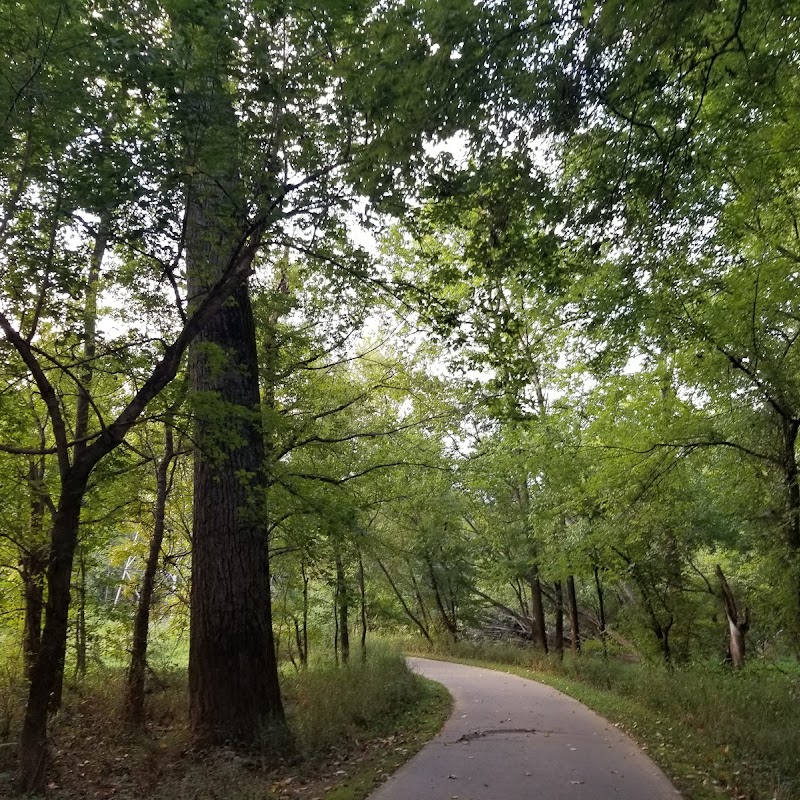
(515, 739)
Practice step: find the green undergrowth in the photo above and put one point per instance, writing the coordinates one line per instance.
(351, 726)
(715, 732)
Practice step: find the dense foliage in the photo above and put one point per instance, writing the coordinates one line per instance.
(491, 319)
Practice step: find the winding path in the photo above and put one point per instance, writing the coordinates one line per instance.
(515, 739)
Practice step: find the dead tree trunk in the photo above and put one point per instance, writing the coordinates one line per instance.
(737, 625)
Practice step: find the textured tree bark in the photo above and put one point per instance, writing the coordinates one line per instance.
(573, 615)
(134, 699)
(233, 677)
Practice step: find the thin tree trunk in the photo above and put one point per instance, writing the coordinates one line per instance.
(80, 618)
(336, 625)
(363, 597)
(342, 605)
(537, 607)
(792, 524)
(418, 597)
(448, 623)
(559, 610)
(49, 665)
(409, 613)
(305, 616)
(573, 615)
(33, 564)
(134, 701)
(601, 608)
(32, 569)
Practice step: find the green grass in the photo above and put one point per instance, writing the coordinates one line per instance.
(714, 731)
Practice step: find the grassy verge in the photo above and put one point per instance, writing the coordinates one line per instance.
(714, 732)
(351, 727)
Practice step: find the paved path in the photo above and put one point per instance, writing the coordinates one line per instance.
(514, 739)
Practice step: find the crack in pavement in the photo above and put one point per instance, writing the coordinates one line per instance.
(469, 737)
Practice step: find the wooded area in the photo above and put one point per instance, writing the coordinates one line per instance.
(467, 320)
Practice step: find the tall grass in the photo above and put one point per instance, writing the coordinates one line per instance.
(330, 706)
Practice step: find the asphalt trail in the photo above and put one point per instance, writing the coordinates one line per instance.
(515, 739)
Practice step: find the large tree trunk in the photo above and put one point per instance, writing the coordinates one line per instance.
(573, 615)
(233, 677)
(134, 700)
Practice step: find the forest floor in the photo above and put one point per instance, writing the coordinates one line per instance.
(347, 740)
(716, 733)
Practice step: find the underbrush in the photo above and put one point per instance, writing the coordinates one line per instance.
(711, 728)
(328, 706)
(350, 726)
